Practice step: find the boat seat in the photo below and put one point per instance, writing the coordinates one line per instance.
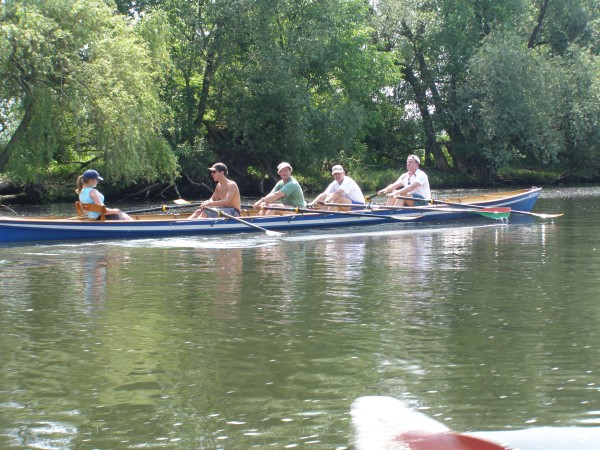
(83, 208)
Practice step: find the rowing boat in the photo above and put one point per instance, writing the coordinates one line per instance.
(21, 229)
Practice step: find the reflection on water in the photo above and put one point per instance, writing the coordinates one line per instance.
(247, 341)
(94, 278)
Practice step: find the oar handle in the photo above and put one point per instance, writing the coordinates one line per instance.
(404, 197)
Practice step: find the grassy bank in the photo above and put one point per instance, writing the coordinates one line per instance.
(313, 182)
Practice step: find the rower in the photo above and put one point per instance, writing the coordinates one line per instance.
(343, 190)
(414, 183)
(225, 198)
(287, 190)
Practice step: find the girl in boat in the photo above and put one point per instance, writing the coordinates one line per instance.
(86, 188)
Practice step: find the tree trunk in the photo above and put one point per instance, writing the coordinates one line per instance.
(538, 25)
(431, 145)
(19, 134)
(420, 89)
(209, 71)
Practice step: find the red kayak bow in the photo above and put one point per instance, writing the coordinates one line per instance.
(423, 440)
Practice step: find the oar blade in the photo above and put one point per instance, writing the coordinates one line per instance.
(274, 233)
(181, 201)
(494, 213)
(404, 217)
(386, 423)
(514, 211)
(547, 216)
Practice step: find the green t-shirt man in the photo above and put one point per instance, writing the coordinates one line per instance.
(287, 191)
(292, 191)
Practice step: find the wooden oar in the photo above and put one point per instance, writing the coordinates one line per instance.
(163, 208)
(183, 202)
(229, 216)
(501, 212)
(340, 213)
(468, 205)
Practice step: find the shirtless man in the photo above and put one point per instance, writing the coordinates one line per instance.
(226, 197)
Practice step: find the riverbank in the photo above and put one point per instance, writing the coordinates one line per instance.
(370, 180)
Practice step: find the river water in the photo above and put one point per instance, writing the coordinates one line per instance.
(248, 341)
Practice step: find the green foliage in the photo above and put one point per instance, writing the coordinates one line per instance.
(568, 22)
(156, 87)
(513, 115)
(528, 176)
(468, 70)
(579, 108)
(268, 80)
(195, 160)
(80, 80)
(550, 114)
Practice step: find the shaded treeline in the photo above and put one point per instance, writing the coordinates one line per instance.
(151, 92)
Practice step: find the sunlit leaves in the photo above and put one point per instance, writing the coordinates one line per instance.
(84, 76)
(516, 115)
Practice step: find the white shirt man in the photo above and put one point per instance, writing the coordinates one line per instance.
(342, 189)
(413, 183)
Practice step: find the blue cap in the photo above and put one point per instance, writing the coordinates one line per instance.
(92, 175)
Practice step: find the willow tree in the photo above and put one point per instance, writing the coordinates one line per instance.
(78, 90)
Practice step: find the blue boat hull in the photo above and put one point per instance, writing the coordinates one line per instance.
(33, 229)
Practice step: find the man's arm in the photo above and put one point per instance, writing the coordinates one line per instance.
(334, 196)
(269, 198)
(273, 196)
(407, 189)
(319, 198)
(231, 194)
(392, 186)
